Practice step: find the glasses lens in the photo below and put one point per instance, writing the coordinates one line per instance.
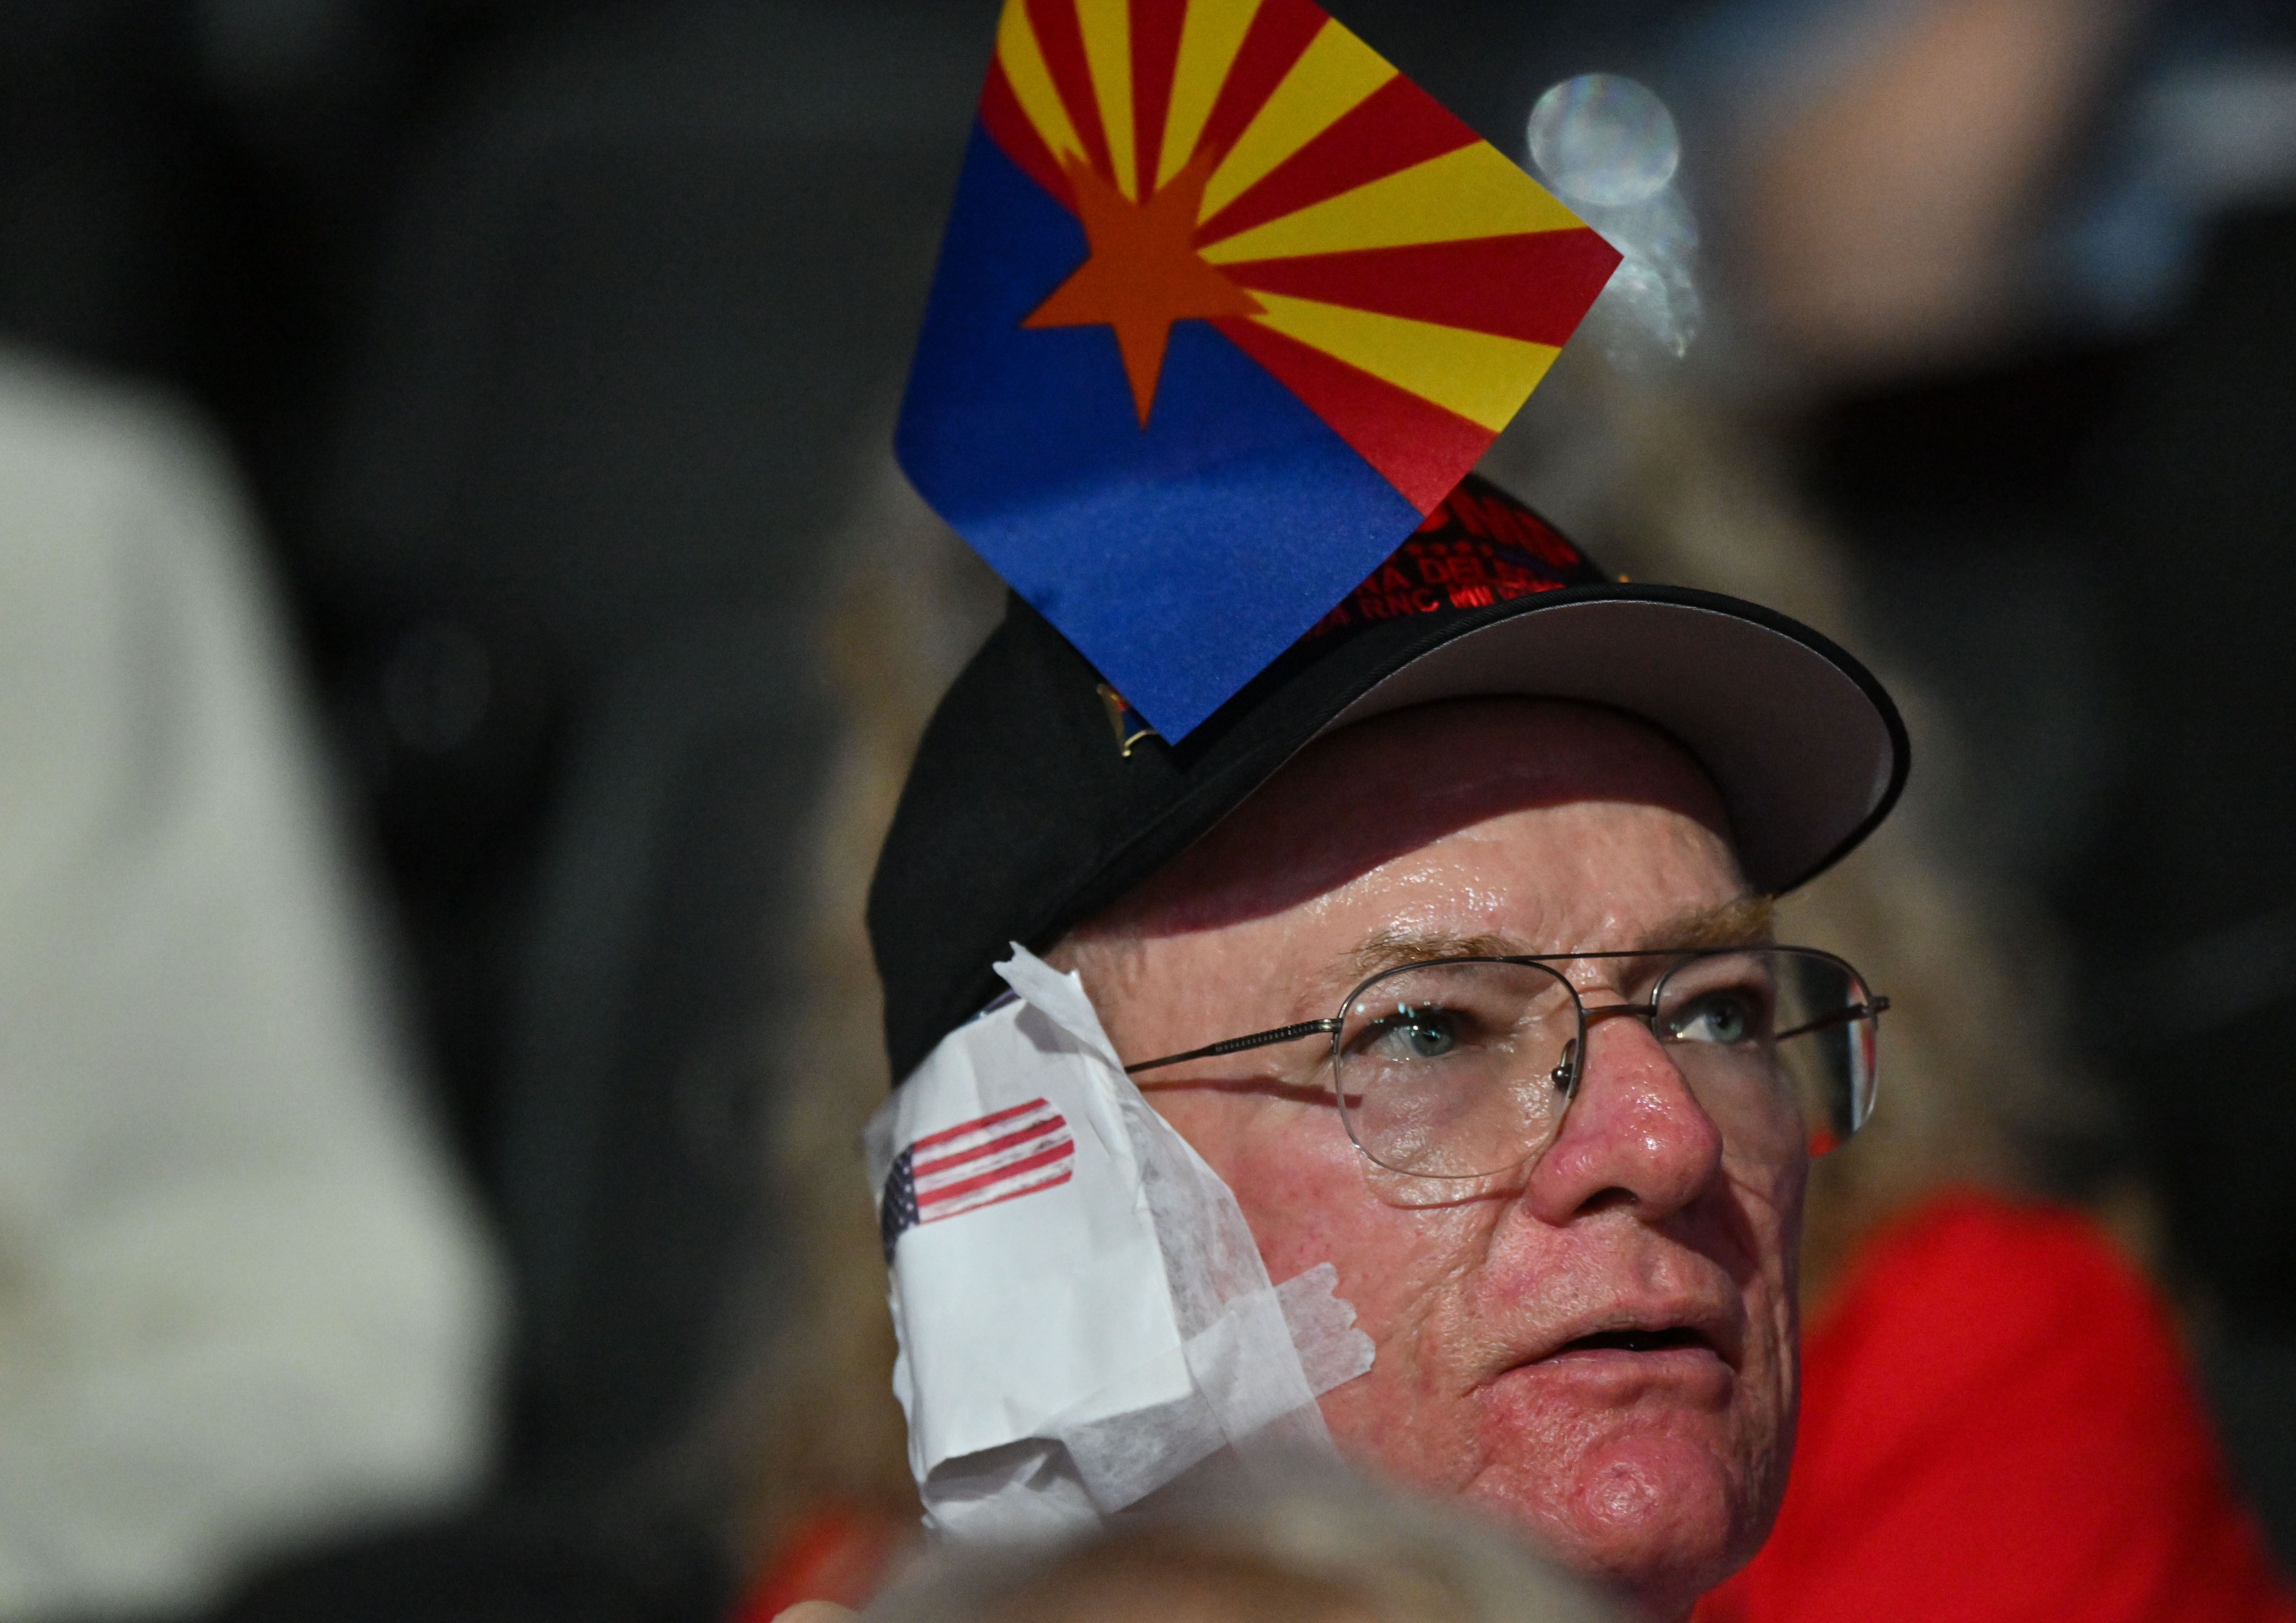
(1779, 1043)
(1455, 1070)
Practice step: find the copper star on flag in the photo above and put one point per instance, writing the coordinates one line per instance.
(1225, 308)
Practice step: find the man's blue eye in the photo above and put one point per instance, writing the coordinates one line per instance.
(1727, 1018)
(1416, 1034)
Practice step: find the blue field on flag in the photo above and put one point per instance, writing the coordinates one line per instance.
(1127, 538)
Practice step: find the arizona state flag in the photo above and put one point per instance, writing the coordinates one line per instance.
(1226, 305)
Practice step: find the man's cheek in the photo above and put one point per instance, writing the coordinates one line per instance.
(1413, 1414)
(1309, 1199)
(1300, 1182)
(1384, 1423)
(1398, 1269)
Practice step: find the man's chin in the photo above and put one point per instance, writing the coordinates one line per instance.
(1657, 1518)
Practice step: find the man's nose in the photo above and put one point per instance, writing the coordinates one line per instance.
(1635, 1132)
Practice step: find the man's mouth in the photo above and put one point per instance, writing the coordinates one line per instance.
(1670, 1339)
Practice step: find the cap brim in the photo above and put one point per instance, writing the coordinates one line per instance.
(1803, 743)
(1030, 809)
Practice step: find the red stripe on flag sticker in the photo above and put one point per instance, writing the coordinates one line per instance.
(1040, 1172)
(998, 1157)
(969, 1173)
(1027, 1133)
(966, 1129)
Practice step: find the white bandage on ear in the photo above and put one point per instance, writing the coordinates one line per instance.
(1083, 1314)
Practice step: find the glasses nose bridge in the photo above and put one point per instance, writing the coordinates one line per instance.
(1593, 1014)
(1610, 975)
(1571, 1073)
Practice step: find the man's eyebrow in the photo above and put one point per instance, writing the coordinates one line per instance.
(1393, 948)
(1746, 921)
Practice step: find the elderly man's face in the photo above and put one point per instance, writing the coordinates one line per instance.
(1600, 1345)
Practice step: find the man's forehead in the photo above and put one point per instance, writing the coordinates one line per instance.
(1742, 920)
(1400, 783)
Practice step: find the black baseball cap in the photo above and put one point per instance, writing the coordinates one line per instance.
(1038, 796)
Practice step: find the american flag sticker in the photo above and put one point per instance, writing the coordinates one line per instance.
(991, 1158)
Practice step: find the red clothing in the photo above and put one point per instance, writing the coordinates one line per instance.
(835, 1554)
(1997, 1426)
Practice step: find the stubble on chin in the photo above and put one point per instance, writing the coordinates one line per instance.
(1631, 1524)
(1658, 1506)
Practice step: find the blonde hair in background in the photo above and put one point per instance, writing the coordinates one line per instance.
(815, 1414)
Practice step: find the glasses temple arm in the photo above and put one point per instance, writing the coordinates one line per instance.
(1237, 1044)
(1840, 1016)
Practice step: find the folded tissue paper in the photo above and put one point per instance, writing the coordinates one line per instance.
(1083, 1314)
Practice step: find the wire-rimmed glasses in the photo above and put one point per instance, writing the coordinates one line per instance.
(1464, 1067)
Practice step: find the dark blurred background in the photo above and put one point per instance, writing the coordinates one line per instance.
(550, 336)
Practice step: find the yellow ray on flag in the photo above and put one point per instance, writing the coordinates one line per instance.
(1210, 38)
(1330, 78)
(1473, 191)
(1483, 378)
